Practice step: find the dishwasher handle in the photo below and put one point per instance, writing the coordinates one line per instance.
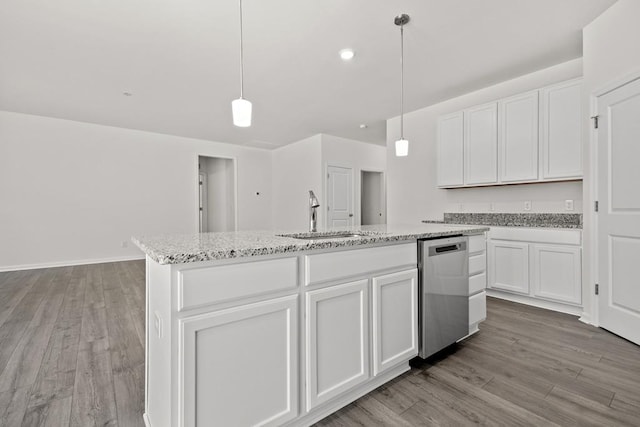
(447, 248)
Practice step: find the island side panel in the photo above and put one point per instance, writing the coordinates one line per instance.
(158, 347)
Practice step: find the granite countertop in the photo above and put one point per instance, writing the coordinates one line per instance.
(548, 220)
(183, 248)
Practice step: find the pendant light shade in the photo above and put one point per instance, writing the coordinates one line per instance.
(402, 145)
(402, 148)
(241, 108)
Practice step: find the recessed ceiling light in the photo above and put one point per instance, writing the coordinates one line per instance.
(363, 126)
(347, 54)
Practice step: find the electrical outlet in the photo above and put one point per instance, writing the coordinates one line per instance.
(491, 207)
(461, 207)
(568, 205)
(124, 244)
(527, 205)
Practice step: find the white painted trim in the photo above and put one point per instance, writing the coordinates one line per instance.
(316, 414)
(616, 83)
(70, 263)
(145, 418)
(535, 302)
(592, 317)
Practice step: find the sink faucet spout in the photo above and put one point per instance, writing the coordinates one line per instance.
(313, 215)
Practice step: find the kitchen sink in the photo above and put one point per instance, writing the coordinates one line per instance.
(327, 235)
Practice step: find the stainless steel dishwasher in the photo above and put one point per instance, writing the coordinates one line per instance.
(444, 293)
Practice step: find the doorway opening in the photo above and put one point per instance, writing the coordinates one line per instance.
(216, 194)
(372, 198)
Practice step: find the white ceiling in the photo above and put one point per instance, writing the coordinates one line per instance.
(73, 59)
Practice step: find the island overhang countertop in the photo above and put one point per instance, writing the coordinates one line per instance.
(196, 247)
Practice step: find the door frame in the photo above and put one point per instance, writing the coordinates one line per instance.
(594, 271)
(383, 189)
(324, 220)
(234, 161)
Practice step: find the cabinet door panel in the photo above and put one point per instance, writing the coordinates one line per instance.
(509, 266)
(337, 344)
(562, 131)
(220, 348)
(451, 150)
(556, 273)
(395, 319)
(481, 144)
(477, 308)
(518, 138)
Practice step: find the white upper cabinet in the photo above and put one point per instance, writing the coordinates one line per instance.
(451, 149)
(481, 144)
(529, 137)
(562, 130)
(518, 137)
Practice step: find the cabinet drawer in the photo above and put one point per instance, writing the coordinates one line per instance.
(477, 283)
(477, 308)
(477, 243)
(335, 265)
(201, 286)
(477, 264)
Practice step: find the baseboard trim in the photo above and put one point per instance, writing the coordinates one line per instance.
(145, 418)
(334, 405)
(69, 263)
(535, 302)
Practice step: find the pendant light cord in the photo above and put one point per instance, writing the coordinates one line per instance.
(402, 81)
(241, 55)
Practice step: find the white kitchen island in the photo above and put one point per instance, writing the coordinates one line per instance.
(251, 328)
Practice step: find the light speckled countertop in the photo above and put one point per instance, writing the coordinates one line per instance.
(546, 220)
(183, 248)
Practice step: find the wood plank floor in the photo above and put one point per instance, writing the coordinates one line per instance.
(71, 354)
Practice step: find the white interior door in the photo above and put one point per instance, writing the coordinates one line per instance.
(619, 214)
(339, 196)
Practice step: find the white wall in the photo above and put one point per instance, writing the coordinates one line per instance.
(610, 53)
(300, 167)
(74, 192)
(296, 170)
(412, 189)
(350, 154)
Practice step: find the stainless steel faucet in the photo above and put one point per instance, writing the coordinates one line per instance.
(313, 216)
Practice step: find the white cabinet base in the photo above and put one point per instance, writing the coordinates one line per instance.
(324, 410)
(536, 302)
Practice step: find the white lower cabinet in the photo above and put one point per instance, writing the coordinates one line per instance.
(542, 267)
(477, 281)
(509, 266)
(219, 373)
(395, 319)
(556, 273)
(337, 340)
(477, 308)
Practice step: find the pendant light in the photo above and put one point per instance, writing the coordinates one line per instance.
(241, 108)
(402, 145)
